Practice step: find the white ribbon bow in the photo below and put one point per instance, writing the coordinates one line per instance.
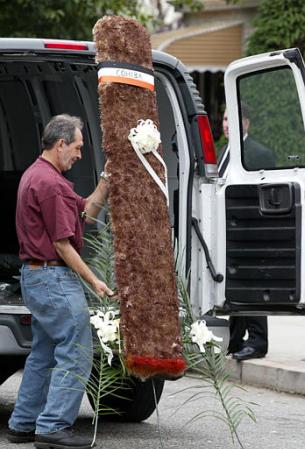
(145, 138)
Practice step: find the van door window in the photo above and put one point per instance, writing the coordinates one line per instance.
(272, 129)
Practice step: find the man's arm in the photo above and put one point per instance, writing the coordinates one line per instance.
(67, 253)
(95, 201)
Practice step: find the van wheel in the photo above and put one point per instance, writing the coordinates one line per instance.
(136, 402)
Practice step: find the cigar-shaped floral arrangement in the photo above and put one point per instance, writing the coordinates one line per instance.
(138, 199)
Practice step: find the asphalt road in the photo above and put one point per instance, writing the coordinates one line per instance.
(280, 422)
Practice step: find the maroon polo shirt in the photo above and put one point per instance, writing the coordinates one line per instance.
(48, 210)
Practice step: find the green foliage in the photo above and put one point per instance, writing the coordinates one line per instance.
(105, 379)
(71, 19)
(101, 261)
(279, 24)
(275, 117)
(65, 19)
(220, 143)
(191, 5)
(209, 368)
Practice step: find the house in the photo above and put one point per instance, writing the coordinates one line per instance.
(206, 43)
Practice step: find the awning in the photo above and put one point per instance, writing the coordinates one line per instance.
(211, 46)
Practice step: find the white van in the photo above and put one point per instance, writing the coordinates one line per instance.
(239, 238)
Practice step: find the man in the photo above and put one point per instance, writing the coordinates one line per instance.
(50, 219)
(255, 156)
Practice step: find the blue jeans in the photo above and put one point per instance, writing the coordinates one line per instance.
(60, 362)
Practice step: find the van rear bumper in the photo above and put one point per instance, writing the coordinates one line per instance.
(15, 337)
(9, 344)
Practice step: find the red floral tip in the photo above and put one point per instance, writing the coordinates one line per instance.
(145, 366)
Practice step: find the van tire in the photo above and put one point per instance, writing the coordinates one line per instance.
(137, 401)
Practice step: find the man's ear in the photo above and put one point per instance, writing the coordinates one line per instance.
(60, 144)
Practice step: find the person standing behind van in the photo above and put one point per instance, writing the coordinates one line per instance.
(255, 157)
(50, 219)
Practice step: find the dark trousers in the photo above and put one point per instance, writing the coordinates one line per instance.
(257, 328)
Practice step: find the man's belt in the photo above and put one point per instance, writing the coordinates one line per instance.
(34, 263)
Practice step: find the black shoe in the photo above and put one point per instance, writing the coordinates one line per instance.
(234, 349)
(248, 353)
(20, 437)
(63, 439)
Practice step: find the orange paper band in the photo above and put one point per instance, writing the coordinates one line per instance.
(124, 80)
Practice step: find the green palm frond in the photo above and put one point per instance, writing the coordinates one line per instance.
(105, 380)
(210, 368)
(101, 261)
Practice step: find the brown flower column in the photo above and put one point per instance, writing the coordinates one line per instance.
(144, 263)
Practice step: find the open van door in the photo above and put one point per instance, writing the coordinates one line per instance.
(256, 237)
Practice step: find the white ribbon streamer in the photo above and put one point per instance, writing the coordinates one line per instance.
(145, 138)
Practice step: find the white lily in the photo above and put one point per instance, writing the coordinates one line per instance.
(200, 334)
(107, 330)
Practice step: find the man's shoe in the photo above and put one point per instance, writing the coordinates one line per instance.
(20, 437)
(248, 353)
(63, 439)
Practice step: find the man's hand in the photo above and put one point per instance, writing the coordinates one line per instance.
(107, 169)
(101, 288)
(67, 253)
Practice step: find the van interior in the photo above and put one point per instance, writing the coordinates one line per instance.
(31, 92)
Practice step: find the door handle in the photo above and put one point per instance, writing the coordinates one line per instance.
(274, 197)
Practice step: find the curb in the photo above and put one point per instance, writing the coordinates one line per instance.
(288, 377)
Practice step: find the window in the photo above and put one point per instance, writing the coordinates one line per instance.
(271, 121)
